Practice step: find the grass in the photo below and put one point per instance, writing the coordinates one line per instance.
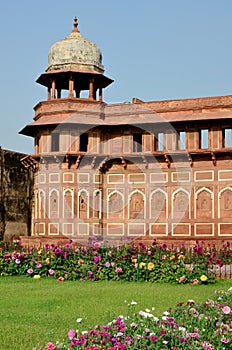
(34, 311)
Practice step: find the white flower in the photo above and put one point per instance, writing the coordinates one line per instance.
(119, 334)
(78, 320)
(155, 319)
(165, 313)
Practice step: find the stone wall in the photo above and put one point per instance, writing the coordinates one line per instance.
(16, 192)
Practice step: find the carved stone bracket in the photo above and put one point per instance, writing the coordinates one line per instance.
(145, 162)
(190, 159)
(124, 164)
(78, 162)
(167, 160)
(93, 162)
(102, 166)
(214, 160)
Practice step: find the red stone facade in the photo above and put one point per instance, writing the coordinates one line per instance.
(129, 171)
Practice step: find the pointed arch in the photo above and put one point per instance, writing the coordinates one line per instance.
(97, 204)
(181, 204)
(225, 202)
(137, 205)
(83, 204)
(158, 205)
(204, 203)
(68, 203)
(115, 205)
(54, 203)
(41, 204)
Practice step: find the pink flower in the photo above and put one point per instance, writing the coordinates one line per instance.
(60, 279)
(153, 337)
(50, 346)
(71, 333)
(226, 310)
(118, 269)
(97, 245)
(193, 335)
(224, 340)
(181, 279)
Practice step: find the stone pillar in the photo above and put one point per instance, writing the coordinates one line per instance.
(71, 87)
(53, 89)
(49, 93)
(100, 94)
(91, 89)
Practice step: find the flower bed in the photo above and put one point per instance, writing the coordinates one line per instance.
(188, 326)
(156, 263)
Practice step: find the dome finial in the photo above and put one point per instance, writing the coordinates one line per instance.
(75, 24)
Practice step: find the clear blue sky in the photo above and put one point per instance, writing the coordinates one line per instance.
(153, 49)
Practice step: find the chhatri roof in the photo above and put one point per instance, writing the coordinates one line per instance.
(75, 53)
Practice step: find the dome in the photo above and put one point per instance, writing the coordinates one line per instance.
(75, 53)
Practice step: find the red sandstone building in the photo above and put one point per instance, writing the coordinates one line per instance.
(126, 171)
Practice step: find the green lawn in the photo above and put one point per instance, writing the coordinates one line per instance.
(34, 311)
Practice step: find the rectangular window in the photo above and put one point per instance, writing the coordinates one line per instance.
(159, 141)
(181, 140)
(227, 137)
(204, 139)
(55, 143)
(84, 140)
(137, 142)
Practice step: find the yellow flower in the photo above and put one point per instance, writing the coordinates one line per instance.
(47, 261)
(181, 256)
(203, 278)
(172, 257)
(37, 277)
(141, 265)
(150, 266)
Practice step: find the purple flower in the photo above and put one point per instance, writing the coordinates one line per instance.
(96, 259)
(107, 264)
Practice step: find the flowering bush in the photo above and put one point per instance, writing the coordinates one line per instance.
(188, 326)
(132, 262)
